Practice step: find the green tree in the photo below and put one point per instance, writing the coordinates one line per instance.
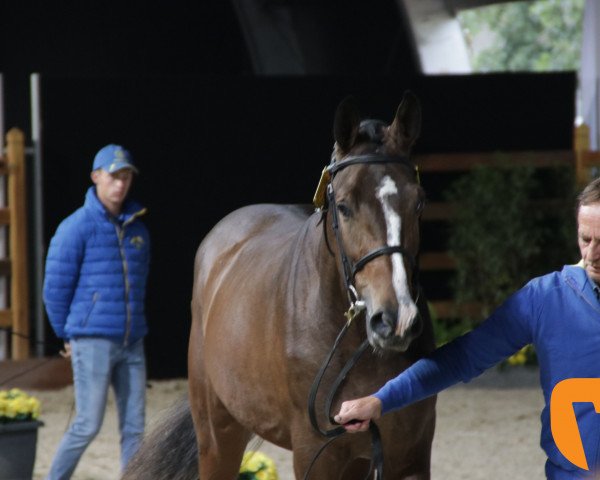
(506, 231)
(501, 238)
(542, 35)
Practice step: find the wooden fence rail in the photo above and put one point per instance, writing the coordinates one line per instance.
(16, 317)
(463, 162)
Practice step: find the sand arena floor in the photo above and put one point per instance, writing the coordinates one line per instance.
(488, 429)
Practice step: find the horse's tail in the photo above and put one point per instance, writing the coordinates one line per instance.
(169, 451)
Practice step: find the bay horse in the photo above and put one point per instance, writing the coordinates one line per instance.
(271, 285)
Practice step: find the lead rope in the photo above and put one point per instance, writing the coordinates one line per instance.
(376, 464)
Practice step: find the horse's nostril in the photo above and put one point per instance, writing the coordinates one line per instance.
(383, 323)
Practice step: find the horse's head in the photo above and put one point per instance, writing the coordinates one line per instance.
(376, 202)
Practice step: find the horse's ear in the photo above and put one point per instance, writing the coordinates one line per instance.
(345, 126)
(407, 124)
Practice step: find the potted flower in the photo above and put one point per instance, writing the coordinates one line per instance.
(19, 422)
(257, 466)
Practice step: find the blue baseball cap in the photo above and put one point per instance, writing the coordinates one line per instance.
(113, 158)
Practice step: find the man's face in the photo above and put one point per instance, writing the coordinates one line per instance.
(112, 188)
(588, 236)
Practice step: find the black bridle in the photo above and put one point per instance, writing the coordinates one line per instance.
(356, 306)
(351, 269)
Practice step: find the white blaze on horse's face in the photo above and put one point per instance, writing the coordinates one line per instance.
(407, 310)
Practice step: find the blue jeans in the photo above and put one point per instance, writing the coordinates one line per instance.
(97, 364)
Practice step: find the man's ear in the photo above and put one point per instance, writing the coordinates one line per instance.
(94, 176)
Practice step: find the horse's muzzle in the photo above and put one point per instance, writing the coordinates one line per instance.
(382, 327)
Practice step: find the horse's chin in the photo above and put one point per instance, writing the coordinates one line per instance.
(393, 344)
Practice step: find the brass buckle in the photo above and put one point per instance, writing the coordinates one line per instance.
(319, 197)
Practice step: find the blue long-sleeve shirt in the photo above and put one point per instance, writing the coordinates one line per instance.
(560, 314)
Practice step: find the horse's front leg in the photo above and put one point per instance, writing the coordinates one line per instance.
(221, 442)
(329, 465)
(221, 439)
(407, 436)
(338, 461)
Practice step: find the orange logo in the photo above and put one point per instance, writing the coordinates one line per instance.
(562, 415)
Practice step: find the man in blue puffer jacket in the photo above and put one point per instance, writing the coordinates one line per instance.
(558, 313)
(94, 292)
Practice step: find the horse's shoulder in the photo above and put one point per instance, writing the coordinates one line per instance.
(252, 232)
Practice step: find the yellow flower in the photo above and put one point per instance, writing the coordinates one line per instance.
(16, 393)
(262, 475)
(523, 356)
(16, 405)
(11, 409)
(257, 466)
(33, 405)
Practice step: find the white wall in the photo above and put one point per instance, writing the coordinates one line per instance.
(438, 37)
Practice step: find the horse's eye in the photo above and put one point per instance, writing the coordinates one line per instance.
(344, 210)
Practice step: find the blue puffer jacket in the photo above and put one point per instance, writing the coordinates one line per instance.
(96, 272)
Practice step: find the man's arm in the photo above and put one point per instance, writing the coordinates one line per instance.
(63, 264)
(504, 333)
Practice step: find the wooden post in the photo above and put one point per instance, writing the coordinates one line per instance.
(581, 144)
(19, 292)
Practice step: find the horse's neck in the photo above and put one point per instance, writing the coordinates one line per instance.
(317, 262)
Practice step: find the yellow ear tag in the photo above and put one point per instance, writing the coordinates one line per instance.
(319, 198)
(418, 174)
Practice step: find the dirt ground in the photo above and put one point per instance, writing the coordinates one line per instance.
(486, 430)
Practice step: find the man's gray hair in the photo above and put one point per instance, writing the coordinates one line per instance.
(590, 194)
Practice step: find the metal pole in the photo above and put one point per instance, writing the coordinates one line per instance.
(38, 215)
(2, 126)
(596, 131)
(3, 283)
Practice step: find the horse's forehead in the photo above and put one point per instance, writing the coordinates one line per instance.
(367, 183)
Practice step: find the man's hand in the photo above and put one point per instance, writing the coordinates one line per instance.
(355, 415)
(66, 353)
